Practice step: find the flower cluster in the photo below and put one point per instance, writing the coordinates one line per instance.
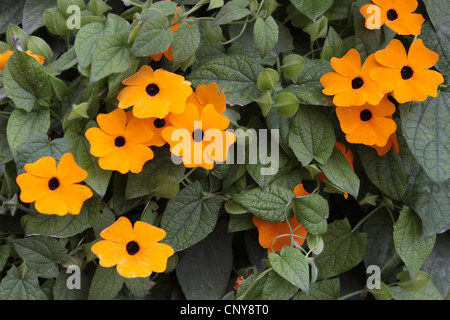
(365, 95)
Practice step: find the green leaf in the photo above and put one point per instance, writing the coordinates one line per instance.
(412, 248)
(26, 82)
(383, 293)
(97, 179)
(312, 211)
(311, 135)
(386, 172)
(22, 126)
(205, 268)
(333, 46)
(155, 35)
(62, 292)
(106, 284)
(186, 40)
(235, 75)
(415, 283)
(11, 13)
(312, 9)
(98, 7)
(425, 127)
(86, 43)
(339, 171)
(42, 254)
(428, 293)
(231, 11)
(437, 41)
(159, 177)
(189, 217)
(139, 287)
(4, 255)
(343, 249)
(317, 29)
(326, 289)
(437, 264)
(33, 12)
(269, 204)
(18, 286)
(265, 34)
(111, 56)
(292, 265)
(277, 288)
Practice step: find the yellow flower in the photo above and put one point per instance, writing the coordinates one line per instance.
(396, 14)
(121, 142)
(154, 93)
(54, 189)
(368, 124)
(5, 56)
(203, 134)
(134, 249)
(407, 76)
(351, 84)
(208, 94)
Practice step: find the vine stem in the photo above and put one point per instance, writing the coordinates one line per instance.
(367, 216)
(351, 294)
(261, 275)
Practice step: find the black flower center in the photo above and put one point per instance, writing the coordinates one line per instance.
(152, 89)
(159, 123)
(365, 115)
(357, 83)
(392, 15)
(132, 248)
(406, 73)
(119, 142)
(53, 184)
(197, 135)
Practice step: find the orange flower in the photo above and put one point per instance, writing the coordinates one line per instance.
(348, 154)
(396, 14)
(407, 76)
(208, 94)
(121, 142)
(391, 143)
(134, 249)
(5, 56)
(154, 93)
(268, 231)
(53, 188)
(351, 84)
(368, 124)
(203, 134)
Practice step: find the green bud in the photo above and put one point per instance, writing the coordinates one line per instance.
(286, 104)
(267, 79)
(234, 208)
(384, 293)
(292, 66)
(270, 6)
(265, 102)
(419, 282)
(40, 47)
(213, 33)
(317, 29)
(315, 243)
(19, 34)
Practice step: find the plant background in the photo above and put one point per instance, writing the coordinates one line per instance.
(207, 215)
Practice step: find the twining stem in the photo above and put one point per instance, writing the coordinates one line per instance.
(261, 275)
(351, 294)
(367, 216)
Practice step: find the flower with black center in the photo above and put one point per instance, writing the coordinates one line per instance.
(368, 124)
(273, 236)
(208, 94)
(157, 125)
(396, 14)
(203, 135)
(407, 75)
(54, 189)
(121, 142)
(351, 84)
(5, 56)
(154, 93)
(135, 250)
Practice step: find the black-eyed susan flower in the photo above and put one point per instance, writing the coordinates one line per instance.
(203, 135)
(121, 142)
(54, 189)
(368, 124)
(5, 56)
(135, 250)
(156, 125)
(396, 14)
(276, 235)
(208, 94)
(407, 76)
(391, 143)
(154, 93)
(351, 84)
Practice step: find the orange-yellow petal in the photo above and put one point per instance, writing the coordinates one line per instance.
(156, 256)
(74, 195)
(3, 58)
(335, 83)
(141, 78)
(101, 142)
(113, 123)
(132, 95)
(68, 171)
(420, 57)
(44, 167)
(31, 187)
(51, 203)
(300, 191)
(120, 231)
(137, 155)
(393, 56)
(349, 65)
(117, 159)
(109, 252)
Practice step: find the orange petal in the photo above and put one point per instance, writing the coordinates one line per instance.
(51, 203)
(386, 78)
(4, 57)
(138, 131)
(74, 196)
(209, 94)
(156, 256)
(120, 231)
(147, 234)
(349, 98)
(45, 167)
(299, 191)
(384, 128)
(137, 155)
(393, 56)
(429, 81)
(384, 3)
(349, 118)
(142, 77)
(187, 118)
(420, 57)
(211, 119)
(101, 142)
(31, 187)
(113, 123)
(334, 83)
(406, 5)
(219, 147)
(132, 95)
(151, 107)
(110, 253)
(374, 15)
(409, 91)
(117, 159)
(133, 266)
(349, 65)
(68, 171)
